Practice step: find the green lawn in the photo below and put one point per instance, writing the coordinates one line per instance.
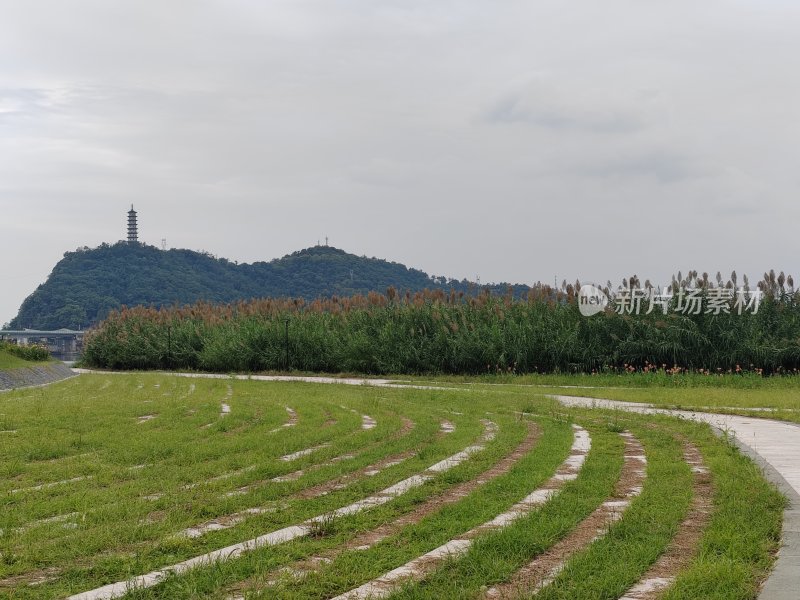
(734, 394)
(101, 477)
(9, 361)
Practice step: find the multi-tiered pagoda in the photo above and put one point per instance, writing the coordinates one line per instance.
(133, 233)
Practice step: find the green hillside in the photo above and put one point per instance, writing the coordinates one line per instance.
(86, 284)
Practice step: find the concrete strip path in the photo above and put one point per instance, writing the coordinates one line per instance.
(416, 569)
(292, 532)
(775, 446)
(778, 442)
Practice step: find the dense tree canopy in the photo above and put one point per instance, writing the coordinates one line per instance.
(88, 283)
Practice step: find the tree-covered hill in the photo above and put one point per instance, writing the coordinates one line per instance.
(86, 284)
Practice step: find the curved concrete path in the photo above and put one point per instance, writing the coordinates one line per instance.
(773, 445)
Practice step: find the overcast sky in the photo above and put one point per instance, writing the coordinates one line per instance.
(510, 140)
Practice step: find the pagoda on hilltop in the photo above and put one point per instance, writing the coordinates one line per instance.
(133, 230)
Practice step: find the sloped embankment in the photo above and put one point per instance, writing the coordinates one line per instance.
(38, 375)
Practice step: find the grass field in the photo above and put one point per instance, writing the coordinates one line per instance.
(9, 361)
(108, 477)
(13, 356)
(747, 394)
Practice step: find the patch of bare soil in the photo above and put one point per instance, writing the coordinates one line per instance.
(405, 428)
(31, 578)
(330, 421)
(155, 516)
(50, 574)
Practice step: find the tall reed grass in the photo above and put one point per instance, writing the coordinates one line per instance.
(436, 332)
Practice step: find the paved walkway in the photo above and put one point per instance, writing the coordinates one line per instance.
(775, 446)
(777, 442)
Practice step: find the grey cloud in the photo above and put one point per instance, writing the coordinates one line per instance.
(460, 137)
(662, 166)
(567, 103)
(515, 110)
(25, 102)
